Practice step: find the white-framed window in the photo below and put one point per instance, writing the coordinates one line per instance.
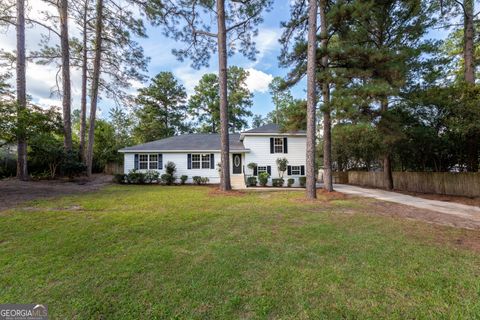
(205, 161)
(296, 170)
(278, 145)
(261, 169)
(201, 161)
(148, 161)
(153, 161)
(196, 161)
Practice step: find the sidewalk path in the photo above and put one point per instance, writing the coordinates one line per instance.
(456, 209)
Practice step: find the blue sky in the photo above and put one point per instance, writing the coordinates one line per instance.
(41, 79)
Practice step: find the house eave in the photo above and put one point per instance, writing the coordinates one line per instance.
(182, 151)
(272, 134)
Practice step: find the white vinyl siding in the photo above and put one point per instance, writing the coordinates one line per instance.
(181, 160)
(259, 147)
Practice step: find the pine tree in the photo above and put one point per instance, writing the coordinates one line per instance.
(190, 22)
(162, 109)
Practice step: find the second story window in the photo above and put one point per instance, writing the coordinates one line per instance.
(278, 145)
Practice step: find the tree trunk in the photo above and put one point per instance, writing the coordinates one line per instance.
(469, 34)
(387, 161)
(469, 75)
(311, 99)
(95, 84)
(83, 103)
(66, 96)
(222, 85)
(327, 132)
(22, 172)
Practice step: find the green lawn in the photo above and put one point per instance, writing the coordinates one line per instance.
(146, 252)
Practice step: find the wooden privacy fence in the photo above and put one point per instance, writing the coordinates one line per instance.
(113, 168)
(448, 183)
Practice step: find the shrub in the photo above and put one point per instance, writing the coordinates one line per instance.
(71, 164)
(290, 182)
(251, 181)
(282, 165)
(135, 177)
(252, 166)
(200, 180)
(263, 178)
(183, 179)
(278, 182)
(170, 168)
(168, 179)
(120, 178)
(302, 181)
(151, 176)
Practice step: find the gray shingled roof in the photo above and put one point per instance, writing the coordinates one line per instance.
(270, 128)
(189, 142)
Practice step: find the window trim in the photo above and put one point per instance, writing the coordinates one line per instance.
(203, 162)
(149, 161)
(260, 170)
(280, 145)
(299, 170)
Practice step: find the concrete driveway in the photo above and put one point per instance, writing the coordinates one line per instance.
(455, 209)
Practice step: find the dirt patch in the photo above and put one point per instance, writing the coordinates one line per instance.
(14, 192)
(215, 191)
(334, 195)
(440, 197)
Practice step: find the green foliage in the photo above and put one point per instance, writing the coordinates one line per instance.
(183, 179)
(278, 182)
(168, 179)
(200, 180)
(251, 181)
(135, 177)
(46, 154)
(204, 104)
(302, 181)
(290, 182)
(151, 176)
(282, 164)
(263, 178)
(170, 168)
(161, 109)
(252, 165)
(71, 165)
(120, 178)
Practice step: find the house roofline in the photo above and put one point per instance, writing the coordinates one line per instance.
(182, 151)
(299, 134)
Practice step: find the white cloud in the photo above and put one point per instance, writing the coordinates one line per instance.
(190, 77)
(258, 81)
(267, 42)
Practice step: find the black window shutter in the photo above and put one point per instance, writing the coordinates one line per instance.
(189, 161)
(302, 170)
(212, 161)
(269, 170)
(289, 170)
(135, 164)
(160, 161)
(271, 145)
(255, 171)
(285, 147)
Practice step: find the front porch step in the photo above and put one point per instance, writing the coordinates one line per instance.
(237, 182)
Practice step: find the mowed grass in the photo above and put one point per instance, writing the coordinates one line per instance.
(150, 252)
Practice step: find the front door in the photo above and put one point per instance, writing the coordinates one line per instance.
(237, 163)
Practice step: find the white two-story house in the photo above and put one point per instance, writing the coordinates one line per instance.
(199, 154)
